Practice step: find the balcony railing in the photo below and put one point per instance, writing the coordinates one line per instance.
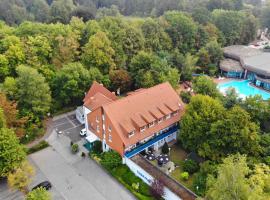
(149, 143)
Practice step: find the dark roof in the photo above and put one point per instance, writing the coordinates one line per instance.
(230, 65)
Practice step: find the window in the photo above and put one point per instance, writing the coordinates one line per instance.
(97, 119)
(175, 113)
(110, 129)
(97, 128)
(131, 133)
(151, 124)
(160, 120)
(110, 138)
(168, 116)
(142, 129)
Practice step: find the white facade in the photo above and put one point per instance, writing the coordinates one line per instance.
(80, 114)
(86, 111)
(148, 179)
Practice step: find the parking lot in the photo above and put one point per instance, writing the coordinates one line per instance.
(69, 126)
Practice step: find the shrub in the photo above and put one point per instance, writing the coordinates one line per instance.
(184, 176)
(135, 186)
(267, 160)
(190, 166)
(185, 96)
(165, 148)
(199, 183)
(41, 145)
(157, 189)
(75, 148)
(97, 147)
(110, 160)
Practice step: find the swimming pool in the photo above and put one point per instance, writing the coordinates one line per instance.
(243, 89)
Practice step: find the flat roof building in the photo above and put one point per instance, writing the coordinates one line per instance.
(247, 63)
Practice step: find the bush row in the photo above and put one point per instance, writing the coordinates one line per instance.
(41, 145)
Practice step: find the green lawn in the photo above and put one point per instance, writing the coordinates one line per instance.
(178, 155)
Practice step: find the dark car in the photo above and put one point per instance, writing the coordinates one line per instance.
(45, 184)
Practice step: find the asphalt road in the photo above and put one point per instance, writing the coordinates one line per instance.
(72, 177)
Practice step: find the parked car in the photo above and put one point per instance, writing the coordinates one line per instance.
(45, 184)
(83, 132)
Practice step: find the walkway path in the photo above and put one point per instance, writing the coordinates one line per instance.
(174, 186)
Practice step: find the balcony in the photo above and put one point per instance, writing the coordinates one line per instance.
(149, 143)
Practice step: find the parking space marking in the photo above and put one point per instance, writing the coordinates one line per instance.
(64, 127)
(71, 121)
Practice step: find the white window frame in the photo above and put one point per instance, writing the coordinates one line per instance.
(109, 128)
(151, 124)
(130, 134)
(142, 129)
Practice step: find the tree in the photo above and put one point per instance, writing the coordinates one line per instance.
(33, 92)
(12, 116)
(71, 82)
(182, 30)
(133, 42)
(11, 152)
(165, 148)
(258, 109)
(10, 88)
(21, 177)
(99, 53)
(4, 68)
(39, 194)
(204, 85)
(157, 189)
(200, 113)
(60, 10)
(231, 181)
(231, 98)
(120, 79)
(39, 51)
(188, 67)
(265, 17)
(235, 180)
(112, 11)
(232, 134)
(39, 8)
(236, 26)
(156, 39)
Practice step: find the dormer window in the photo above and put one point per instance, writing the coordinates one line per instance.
(110, 129)
(142, 129)
(97, 119)
(151, 124)
(160, 120)
(98, 128)
(168, 116)
(175, 113)
(131, 133)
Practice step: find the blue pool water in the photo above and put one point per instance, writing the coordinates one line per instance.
(243, 89)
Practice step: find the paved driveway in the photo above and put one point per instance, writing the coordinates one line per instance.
(78, 178)
(68, 125)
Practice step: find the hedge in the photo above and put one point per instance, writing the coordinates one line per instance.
(41, 145)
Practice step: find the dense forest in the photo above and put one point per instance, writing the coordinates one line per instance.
(51, 51)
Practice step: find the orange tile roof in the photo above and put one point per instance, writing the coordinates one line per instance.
(98, 95)
(96, 101)
(152, 103)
